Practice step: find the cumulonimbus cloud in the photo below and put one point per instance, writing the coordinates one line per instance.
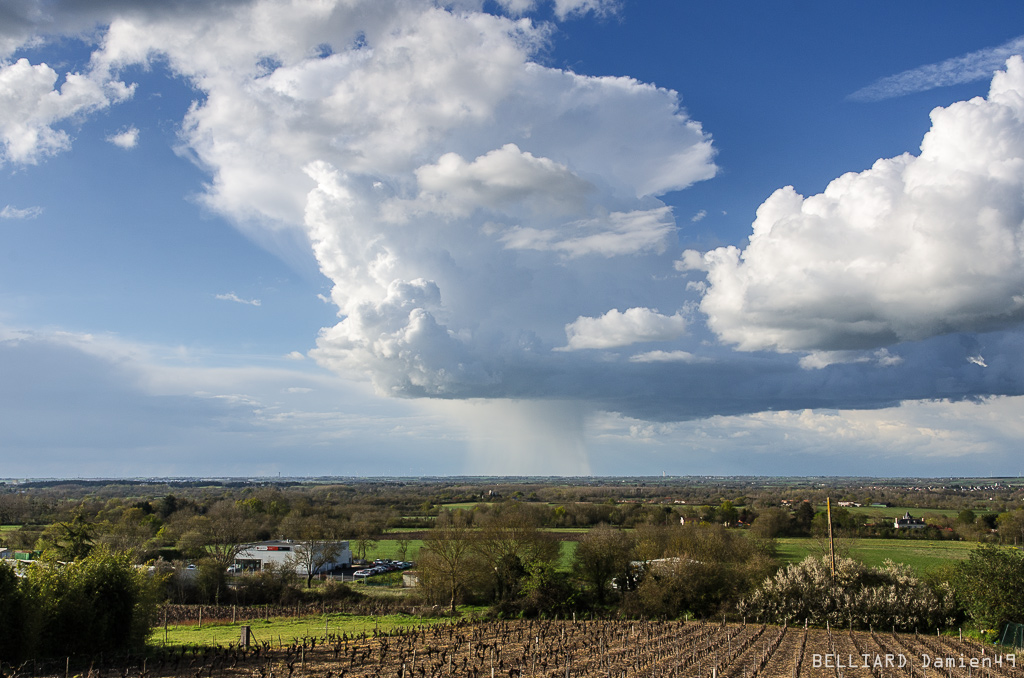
(475, 210)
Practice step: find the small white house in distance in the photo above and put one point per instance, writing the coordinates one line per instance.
(908, 522)
(255, 557)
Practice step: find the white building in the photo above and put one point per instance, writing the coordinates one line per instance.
(326, 556)
(908, 522)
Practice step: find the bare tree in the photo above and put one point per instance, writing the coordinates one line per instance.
(219, 535)
(312, 555)
(448, 552)
(603, 554)
(317, 544)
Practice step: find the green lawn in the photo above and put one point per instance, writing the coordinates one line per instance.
(921, 555)
(283, 630)
(9, 528)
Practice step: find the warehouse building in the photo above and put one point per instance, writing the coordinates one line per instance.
(326, 556)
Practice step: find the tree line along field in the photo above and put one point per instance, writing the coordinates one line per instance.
(921, 555)
(578, 649)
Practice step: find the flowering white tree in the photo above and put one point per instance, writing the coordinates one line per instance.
(861, 596)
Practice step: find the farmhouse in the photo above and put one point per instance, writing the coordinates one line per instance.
(908, 522)
(325, 556)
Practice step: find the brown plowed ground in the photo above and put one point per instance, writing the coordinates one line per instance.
(585, 649)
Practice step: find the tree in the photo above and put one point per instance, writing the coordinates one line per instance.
(402, 547)
(1011, 527)
(316, 546)
(708, 568)
(509, 544)
(312, 555)
(219, 535)
(68, 540)
(990, 585)
(446, 558)
(603, 554)
(771, 522)
(727, 513)
(132, 533)
(803, 516)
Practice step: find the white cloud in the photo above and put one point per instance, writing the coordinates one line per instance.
(295, 355)
(126, 138)
(916, 246)
(615, 328)
(565, 8)
(609, 235)
(30, 107)
(666, 357)
(500, 177)
(963, 69)
(231, 296)
(699, 216)
(9, 212)
(517, 7)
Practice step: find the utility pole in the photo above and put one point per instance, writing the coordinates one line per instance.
(831, 544)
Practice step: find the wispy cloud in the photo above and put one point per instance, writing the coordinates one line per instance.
(126, 138)
(9, 212)
(956, 71)
(698, 216)
(231, 296)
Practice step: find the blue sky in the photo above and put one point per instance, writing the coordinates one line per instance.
(252, 237)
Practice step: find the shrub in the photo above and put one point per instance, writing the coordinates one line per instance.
(860, 596)
(18, 621)
(100, 603)
(990, 585)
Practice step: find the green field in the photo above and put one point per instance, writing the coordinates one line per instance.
(388, 548)
(9, 528)
(283, 630)
(894, 511)
(921, 555)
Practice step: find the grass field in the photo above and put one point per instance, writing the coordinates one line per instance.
(894, 511)
(283, 630)
(9, 528)
(921, 555)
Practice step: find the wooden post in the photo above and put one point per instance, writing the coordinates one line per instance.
(831, 545)
(243, 641)
(200, 616)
